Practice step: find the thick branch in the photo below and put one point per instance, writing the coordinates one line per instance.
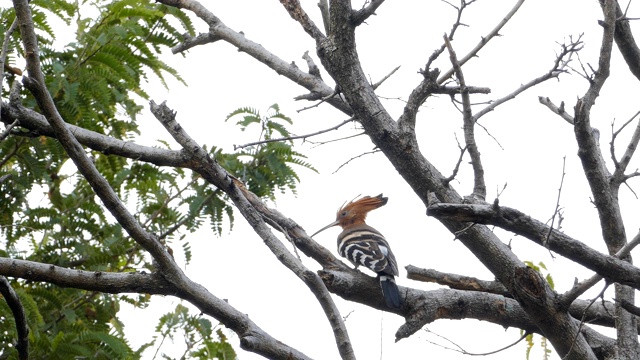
(455, 281)
(107, 282)
(605, 196)
(626, 43)
(37, 125)
(538, 232)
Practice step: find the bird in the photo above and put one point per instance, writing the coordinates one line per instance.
(363, 245)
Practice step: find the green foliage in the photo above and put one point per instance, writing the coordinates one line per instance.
(266, 165)
(51, 215)
(198, 334)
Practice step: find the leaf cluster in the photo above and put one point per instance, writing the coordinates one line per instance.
(267, 165)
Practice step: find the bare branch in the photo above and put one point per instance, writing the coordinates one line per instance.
(465, 352)
(298, 14)
(355, 157)
(19, 316)
(37, 125)
(377, 84)
(304, 137)
(557, 110)
(455, 281)
(7, 130)
(324, 11)
(360, 16)
(453, 175)
(556, 211)
(618, 174)
(483, 42)
(626, 43)
(517, 222)
(191, 42)
(107, 282)
(558, 67)
(479, 187)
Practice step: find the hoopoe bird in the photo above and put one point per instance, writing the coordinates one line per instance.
(363, 245)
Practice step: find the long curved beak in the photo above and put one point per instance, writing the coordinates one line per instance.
(326, 227)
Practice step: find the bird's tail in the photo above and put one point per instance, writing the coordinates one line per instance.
(390, 291)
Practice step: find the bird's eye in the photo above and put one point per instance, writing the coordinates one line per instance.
(344, 213)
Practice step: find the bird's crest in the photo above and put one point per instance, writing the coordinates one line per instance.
(356, 211)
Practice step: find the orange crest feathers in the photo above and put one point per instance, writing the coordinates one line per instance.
(356, 211)
(364, 204)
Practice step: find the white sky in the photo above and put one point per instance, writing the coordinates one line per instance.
(238, 267)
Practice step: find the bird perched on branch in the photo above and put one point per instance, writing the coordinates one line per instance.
(363, 245)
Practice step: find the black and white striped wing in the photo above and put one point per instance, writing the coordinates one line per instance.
(363, 245)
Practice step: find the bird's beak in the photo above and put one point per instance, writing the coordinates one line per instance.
(326, 227)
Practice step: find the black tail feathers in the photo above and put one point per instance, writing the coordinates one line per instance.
(390, 291)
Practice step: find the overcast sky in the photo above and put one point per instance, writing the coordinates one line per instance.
(525, 150)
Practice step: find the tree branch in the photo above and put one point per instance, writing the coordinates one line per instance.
(558, 67)
(37, 125)
(621, 167)
(298, 14)
(219, 30)
(20, 317)
(482, 42)
(218, 176)
(479, 187)
(557, 110)
(517, 222)
(455, 281)
(626, 43)
(360, 16)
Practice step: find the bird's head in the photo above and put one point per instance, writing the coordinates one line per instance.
(355, 211)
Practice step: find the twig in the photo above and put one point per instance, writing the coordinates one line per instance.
(355, 157)
(236, 147)
(436, 53)
(465, 352)
(448, 180)
(312, 97)
(584, 314)
(7, 131)
(559, 66)
(618, 174)
(376, 85)
(556, 211)
(482, 42)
